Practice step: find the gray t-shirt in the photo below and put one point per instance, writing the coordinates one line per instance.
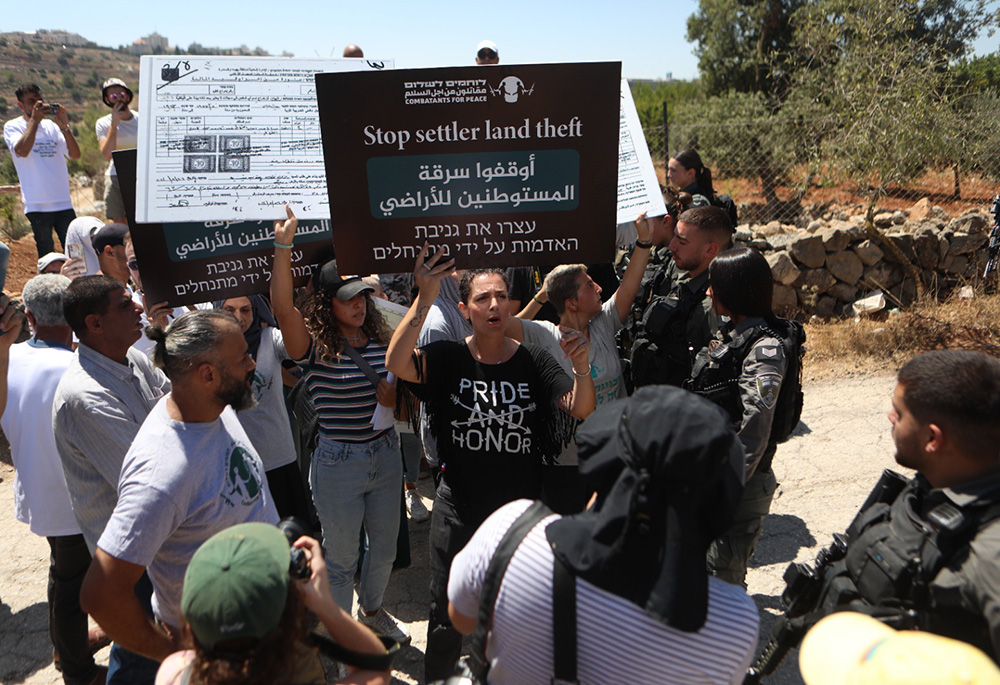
(180, 484)
(267, 423)
(605, 365)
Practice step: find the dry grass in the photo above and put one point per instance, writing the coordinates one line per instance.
(849, 348)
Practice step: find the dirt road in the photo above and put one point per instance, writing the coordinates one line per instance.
(825, 472)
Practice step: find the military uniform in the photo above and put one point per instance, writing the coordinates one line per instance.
(744, 375)
(944, 567)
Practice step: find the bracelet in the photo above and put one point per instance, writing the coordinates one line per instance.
(581, 375)
(66, 130)
(283, 246)
(535, 298)
(647, 244)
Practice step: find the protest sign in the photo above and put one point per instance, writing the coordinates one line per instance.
(190, 262)
(638, 187)
(506, 165)
(232, 138)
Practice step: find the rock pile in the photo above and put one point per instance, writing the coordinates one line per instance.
(822, 267)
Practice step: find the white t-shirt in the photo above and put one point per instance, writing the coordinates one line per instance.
(41, 498)
(42, 174)
(180, 484)
(79, 232)
(128, 135)
(267, 423)
(605, 365)
(617, 642)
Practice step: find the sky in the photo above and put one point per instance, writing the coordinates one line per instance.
(648, 37)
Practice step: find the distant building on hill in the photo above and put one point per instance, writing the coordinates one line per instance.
(153, 44)
(53, 37)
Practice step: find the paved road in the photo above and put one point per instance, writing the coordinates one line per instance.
(825, 472)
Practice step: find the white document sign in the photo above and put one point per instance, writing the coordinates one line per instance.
(232, 138)
(638, 188)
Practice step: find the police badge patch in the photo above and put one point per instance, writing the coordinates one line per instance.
(768, 385)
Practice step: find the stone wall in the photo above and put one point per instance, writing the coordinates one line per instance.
(822, 267)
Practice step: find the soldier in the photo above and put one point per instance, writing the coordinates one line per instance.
(743, 374)
(677, 320)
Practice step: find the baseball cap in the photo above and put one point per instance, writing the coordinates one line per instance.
(332, 283)
(108, 234)
(851, 648)
(487, 45)
(49, 258)
(236, 584)
(114, 82)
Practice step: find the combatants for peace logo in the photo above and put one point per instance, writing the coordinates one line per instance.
(243, 478)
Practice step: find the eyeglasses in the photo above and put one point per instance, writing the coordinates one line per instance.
(132, 265)
(486, 53)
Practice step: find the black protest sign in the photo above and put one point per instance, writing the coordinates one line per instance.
(191, 262)
(506, 165)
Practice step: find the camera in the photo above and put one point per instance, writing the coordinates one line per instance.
(53, 109)
(298, 564)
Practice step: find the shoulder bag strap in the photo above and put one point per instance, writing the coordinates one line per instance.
(491, 584)
(365, 367)
(563, 624)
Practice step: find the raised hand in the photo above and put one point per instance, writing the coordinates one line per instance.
(284, 231)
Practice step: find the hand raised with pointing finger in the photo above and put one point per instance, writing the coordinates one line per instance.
(284, 231)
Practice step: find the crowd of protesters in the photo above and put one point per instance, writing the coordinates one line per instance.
(157, 448)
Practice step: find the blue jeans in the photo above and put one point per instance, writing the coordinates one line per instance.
(355, 484)
(129, 668)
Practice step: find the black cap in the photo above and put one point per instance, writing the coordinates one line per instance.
(331, 282)
(108, 234)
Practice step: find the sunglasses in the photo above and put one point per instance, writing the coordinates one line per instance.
(486, 53)
(132, 265)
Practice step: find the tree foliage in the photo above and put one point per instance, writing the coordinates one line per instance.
(741, 45)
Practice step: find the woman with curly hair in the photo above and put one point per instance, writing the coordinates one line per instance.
(340, 339)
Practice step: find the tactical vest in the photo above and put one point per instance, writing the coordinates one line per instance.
(895, 551)
(661, 353)
(716, 372)
(716, 375)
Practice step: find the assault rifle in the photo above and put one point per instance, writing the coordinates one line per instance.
(806, 587)
(994, 248)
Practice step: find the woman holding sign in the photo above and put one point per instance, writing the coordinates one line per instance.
(496, 408)
(339, 339)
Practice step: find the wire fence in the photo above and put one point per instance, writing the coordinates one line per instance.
(744, 164)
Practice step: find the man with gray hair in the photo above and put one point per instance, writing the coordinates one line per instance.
(190, 473)
(33, 369)
(102, 399)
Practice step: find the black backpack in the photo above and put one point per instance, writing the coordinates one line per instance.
(726, 202)
(788, 409)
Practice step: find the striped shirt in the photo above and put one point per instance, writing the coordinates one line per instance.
(97, 410)
(617, 641)
(343, 395)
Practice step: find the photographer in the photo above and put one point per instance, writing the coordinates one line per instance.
(116, 131)
(245, 621)
(39, 145)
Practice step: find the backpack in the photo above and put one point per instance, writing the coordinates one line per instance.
(788, 409)
(726, 202)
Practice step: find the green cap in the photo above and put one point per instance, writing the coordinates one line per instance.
(236, 584)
